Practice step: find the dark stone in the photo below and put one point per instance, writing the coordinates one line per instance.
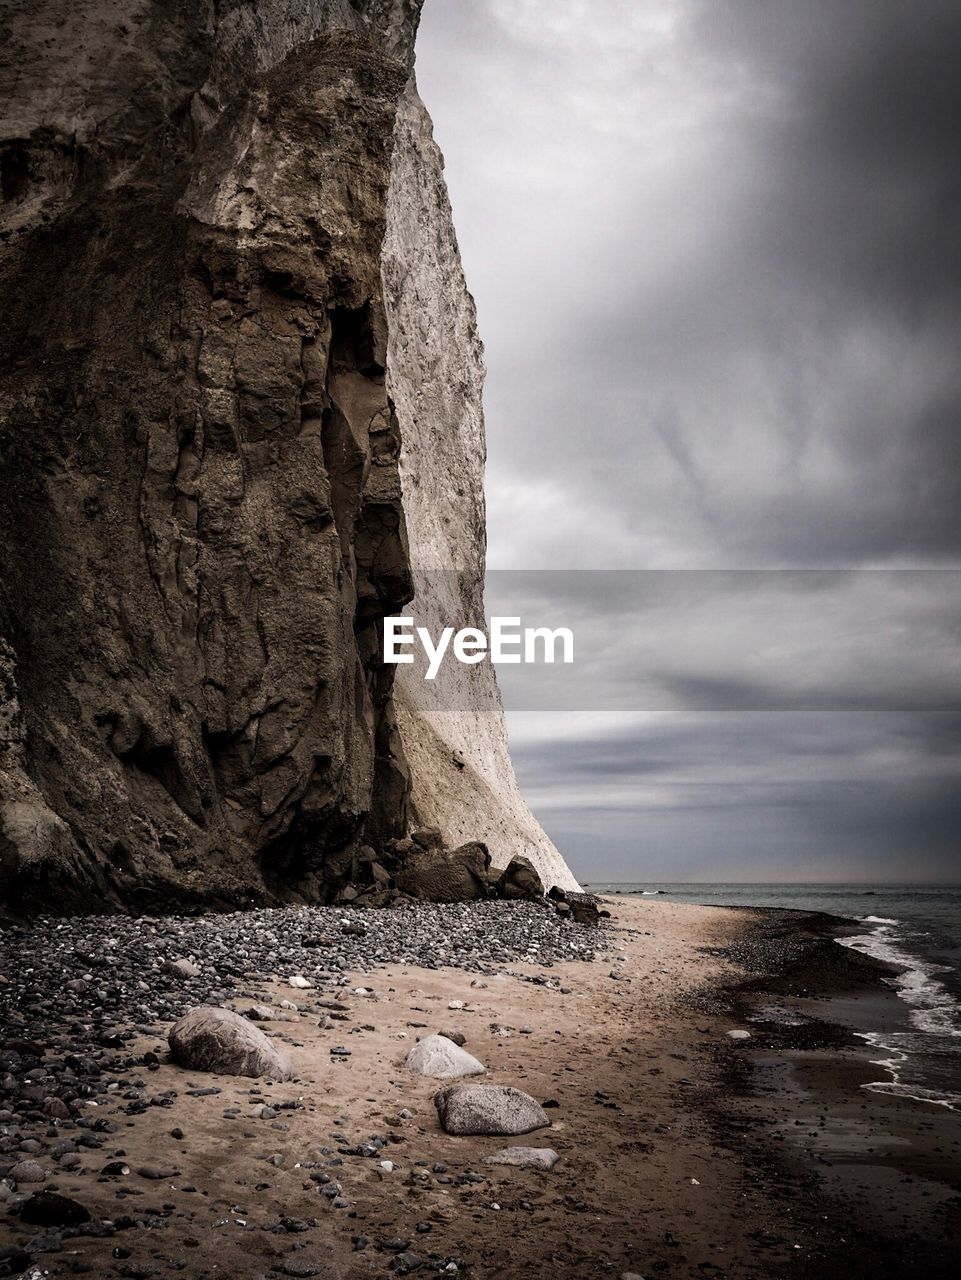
(519, 879)
(49, 1209)
(436, 874)
(428, 838)
(584, 911)
(13, 1261)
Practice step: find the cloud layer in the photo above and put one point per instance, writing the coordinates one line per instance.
(716, 249)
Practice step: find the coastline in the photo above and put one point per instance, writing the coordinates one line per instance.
(676, 1156)
(874, 1172)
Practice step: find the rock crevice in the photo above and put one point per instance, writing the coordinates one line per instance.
(209, 446)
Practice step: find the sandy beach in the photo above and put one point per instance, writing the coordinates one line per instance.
(667, 1166)
(640, 1184)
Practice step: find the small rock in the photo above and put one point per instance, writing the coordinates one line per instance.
(299, 982)
(440, 1058)
(28, 1171)
(48, 1209)
(739, 1035)
(259, 1013)
(13, 1261)
(488, 1109)
(525, 1158)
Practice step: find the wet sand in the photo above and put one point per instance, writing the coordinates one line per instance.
(881, 1170)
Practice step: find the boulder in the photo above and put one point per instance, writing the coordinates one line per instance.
(28, 1171)
(584, 911)
(519, 879)
(208, 1039)
(431, 872)
(496, 1109)
(525, 1158)
(442, 1058)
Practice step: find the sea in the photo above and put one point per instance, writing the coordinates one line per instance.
(915, 928)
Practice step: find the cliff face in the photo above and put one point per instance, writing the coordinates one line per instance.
(218, 451)
(453, 730)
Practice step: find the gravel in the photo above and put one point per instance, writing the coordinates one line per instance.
(126, 964)
(75, 991)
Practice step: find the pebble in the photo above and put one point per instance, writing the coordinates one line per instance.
(48, 1209)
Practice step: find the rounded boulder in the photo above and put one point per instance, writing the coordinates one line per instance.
(495, 1109)
(443, 1059)
(218, 1040)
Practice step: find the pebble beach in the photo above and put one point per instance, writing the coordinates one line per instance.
(346, 1170)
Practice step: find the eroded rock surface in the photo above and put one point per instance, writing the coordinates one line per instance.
(227, 405)
(221, 1041)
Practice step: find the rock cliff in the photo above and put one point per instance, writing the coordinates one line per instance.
(240, 424)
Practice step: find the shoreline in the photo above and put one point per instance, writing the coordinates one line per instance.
(880, 1170)
(670, 1163)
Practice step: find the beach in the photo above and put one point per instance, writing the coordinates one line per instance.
(670, 1160)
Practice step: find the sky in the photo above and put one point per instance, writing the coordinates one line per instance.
(716, 251)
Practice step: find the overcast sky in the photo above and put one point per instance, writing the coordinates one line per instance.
(716, 252)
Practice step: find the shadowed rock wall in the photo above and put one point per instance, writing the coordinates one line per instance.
(202, 522)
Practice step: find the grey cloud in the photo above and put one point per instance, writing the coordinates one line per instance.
(728, 317)
(716, 249)
(845, 796)
(753, 640)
